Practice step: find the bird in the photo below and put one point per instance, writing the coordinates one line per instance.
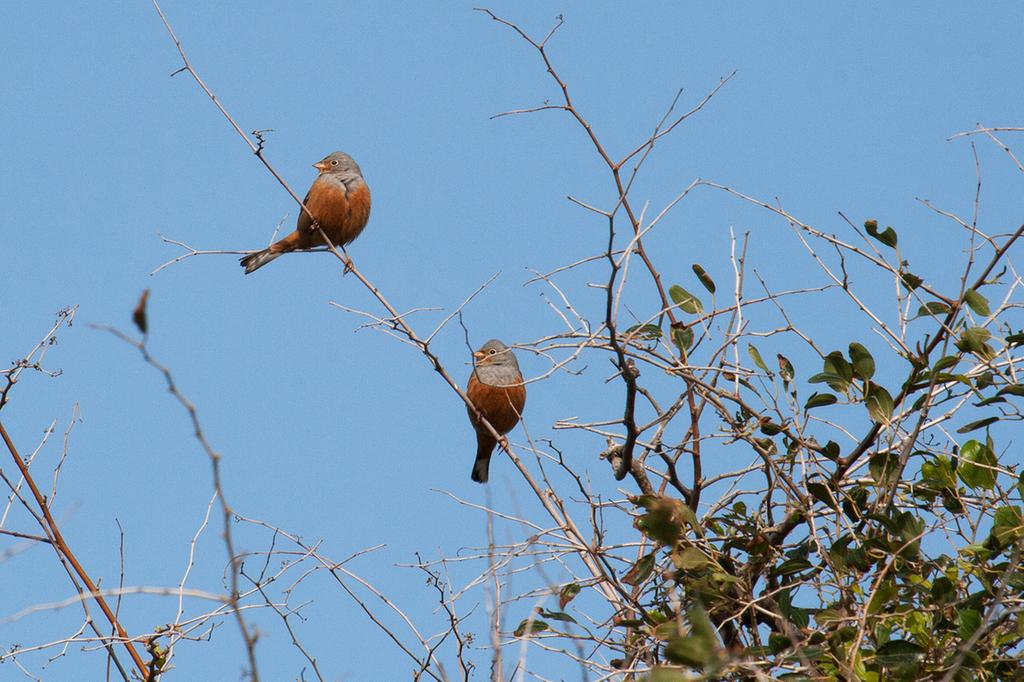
(339, 200)
(496, 389)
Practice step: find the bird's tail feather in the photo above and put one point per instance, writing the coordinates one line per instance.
(255, 261)
(484, 447)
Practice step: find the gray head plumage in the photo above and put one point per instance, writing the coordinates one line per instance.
(340, 163)
(496, 365)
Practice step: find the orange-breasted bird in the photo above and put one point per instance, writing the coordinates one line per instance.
(340, 203)
(496, 389)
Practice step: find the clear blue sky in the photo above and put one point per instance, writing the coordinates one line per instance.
(347, 437)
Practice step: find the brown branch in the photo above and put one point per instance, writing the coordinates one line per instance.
(25, 536)
(61, 546)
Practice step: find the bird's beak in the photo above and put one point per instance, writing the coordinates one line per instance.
(321, 166)
(479, 355)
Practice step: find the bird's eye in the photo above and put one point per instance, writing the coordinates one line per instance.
(492, 351)
(334, 163)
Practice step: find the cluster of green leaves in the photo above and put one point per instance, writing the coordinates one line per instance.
(895, 613)
(844, 587)
(681, 333)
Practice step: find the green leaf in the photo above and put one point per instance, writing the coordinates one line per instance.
(911, 529)
(944, 378)
(567, 594)
(644, 331)
(977, 302)
(659, 674)
(882, 467)
(666, 631)
(688, 650)
(898, 653)
(886, 236)
(786, 370)
(932, 308)
(528, 627)
(855, 503)
(1012, 389)
(980, 424)
(790, 566)
(939, 470)
(826, 377)
(796, 615)
(704, 278)
(664, 519)
(558, 615)
(863, 363)
(821, 493)
(778, 643)
(886, 521)
(911, 280)
(700, 647)
(836, 364)
(974, 340)
(1014, 340)
(689, 517)
(640, 571)
(946, 362)
(685, 300)
(879, 404)
(885, 591)
(682, 337)
(701, 625)
(755, 355)
(690, 559)
(951, 502)
(976, 460)
(977, 335)
(820, 400)
(826, 617)
(942, 589)
(968, 621)
(1008, 515)
(1008, 525)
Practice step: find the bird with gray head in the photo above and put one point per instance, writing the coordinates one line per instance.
(339, 201)
(497, 391)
